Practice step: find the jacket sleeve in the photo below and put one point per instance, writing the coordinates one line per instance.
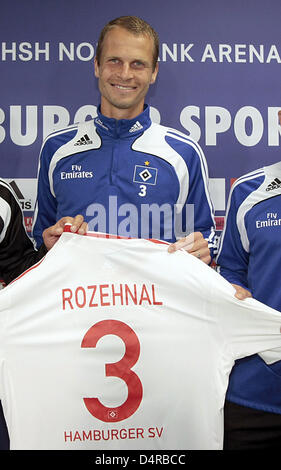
(17, 252)
(45, 212)
(199, 197)
(232, 259)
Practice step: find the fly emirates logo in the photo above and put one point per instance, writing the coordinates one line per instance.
(272, 220)
(76, 172)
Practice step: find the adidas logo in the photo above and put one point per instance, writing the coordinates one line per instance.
(136, 127)
(276, 183)
(85, 140)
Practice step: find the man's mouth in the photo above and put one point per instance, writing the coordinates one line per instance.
(123, 87)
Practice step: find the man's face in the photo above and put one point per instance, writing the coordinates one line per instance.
(125, 73)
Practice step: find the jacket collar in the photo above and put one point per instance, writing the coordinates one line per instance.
(123, 127)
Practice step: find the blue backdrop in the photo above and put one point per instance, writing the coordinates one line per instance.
(219, 80)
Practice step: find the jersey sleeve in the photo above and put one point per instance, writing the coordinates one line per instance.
(17, 252)
(250, 327)
(247, 326)
(45, 211)
(232, 259)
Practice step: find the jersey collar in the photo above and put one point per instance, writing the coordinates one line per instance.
(123, 127)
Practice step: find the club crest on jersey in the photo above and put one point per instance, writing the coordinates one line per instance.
(145, 175)
(112, 415)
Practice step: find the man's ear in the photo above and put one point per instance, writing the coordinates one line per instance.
(96, 68)
(154, 74)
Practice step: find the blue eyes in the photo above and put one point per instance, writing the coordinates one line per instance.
(135, 65)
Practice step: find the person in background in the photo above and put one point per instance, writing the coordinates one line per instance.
(120, 162)
(17, 252)
(249, 258)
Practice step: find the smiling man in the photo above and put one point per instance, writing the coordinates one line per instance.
(125, 69)
(123, 173)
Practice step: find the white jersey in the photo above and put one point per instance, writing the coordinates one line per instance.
(117, 344)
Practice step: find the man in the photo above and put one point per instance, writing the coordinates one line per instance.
(17, 252)
(248, 257)
(121, 163)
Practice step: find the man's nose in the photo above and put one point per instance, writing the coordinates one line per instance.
(125, 71)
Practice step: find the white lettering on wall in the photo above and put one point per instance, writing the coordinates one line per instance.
(248, 124)
(169, 52)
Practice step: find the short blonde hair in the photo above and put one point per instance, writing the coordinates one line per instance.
(136, 26)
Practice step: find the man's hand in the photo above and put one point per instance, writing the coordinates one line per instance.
(52, 234)
(241, 293)
(195, 244)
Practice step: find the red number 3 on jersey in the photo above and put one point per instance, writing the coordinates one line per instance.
(121, 369)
